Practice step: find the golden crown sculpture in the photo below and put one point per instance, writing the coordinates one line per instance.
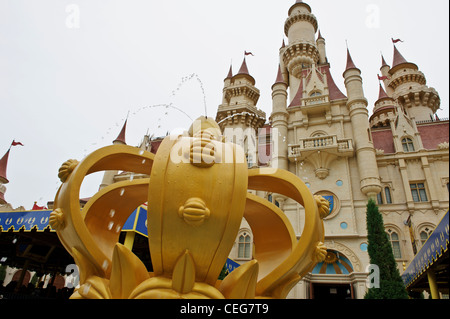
(197, 195)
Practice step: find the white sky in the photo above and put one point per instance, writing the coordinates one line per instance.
(66, 88)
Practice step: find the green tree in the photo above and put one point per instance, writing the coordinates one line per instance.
(380, 253)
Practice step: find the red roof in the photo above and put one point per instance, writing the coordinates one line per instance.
(297, 101)
(3, 166)
(433, 134)
(335, 92)
(383, 140)
(244, 68)
(382, 94)
(350, 64)
(244, 71)
(121, 137)
(398, 58)
(230, 73)
(280, 78)
(383, 61)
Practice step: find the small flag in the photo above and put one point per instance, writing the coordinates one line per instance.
(14, 143)
(382, 78)
(248, 53)
(396, 40)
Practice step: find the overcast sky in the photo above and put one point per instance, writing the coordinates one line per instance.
(71, 70)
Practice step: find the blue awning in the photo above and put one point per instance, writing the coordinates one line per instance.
(432, 250)
(25, 221)
(39, 220)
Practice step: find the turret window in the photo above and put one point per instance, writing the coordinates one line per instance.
(408, 145)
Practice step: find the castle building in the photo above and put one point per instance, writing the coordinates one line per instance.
(398, 156)
(343, 147)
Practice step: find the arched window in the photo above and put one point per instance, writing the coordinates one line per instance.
(245, 246)
(425, 234)
(387, 195)
(385, 198)
(395, 242)
(408, 145)
(380, 199)
(313, 94)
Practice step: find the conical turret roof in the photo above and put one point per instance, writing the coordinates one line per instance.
(243, 71)
(121, 137)
(400, 61)
(3, 167)
(230, 73)
(350, 64)
(280, 78)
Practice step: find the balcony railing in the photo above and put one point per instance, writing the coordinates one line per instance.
(331, 144)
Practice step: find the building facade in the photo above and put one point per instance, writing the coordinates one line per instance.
(398, 156)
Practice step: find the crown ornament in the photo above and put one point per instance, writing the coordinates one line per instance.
(197, 194)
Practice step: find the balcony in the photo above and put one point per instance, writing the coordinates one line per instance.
(321, 151)
(330, 144)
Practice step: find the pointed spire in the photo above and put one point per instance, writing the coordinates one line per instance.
(121, 138)
(350, 64)
(283, 45)
(280, 78)
(398, 58)
(383, 61)
(244, 68)
(243, 71)
(320, 36)
(3, 167)
(230, 73)
(382, 94)
(400, 61)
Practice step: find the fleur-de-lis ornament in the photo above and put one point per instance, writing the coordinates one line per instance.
(197, 196)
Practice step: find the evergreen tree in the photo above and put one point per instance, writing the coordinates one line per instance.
(380, 253)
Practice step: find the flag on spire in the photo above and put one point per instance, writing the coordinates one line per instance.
(248, 53)
(14, 143)
(382, 78)
(396, 40)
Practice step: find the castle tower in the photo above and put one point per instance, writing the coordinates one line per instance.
(279, 120)
(108, 177)
(384, 111)
(365, 152)
(322, 49)
(407, 85)
(302, 50)
(238, 116)
(3, 179)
